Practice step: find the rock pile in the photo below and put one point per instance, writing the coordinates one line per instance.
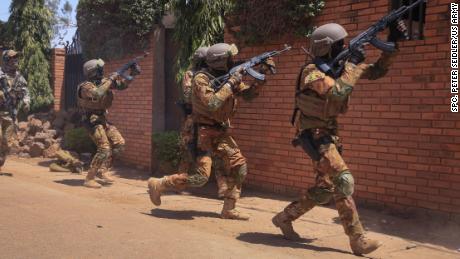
(42, 134)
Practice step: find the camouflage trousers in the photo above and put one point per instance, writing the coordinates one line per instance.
(213, 141)
(187, 162)
(7, 134)
(333, 181)
(109, 143)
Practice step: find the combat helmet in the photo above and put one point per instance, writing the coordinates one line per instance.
(218, 56)
(324, 37)
(7, 55)
(93, 68)
(199, 55)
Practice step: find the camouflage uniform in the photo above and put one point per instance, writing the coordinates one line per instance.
(17, 89)
(320, 99)
(187, 135)
(66, 162)
(212, 112)
(94, 97)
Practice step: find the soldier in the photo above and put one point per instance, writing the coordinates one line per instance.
(187, 129)
(94, 97)
(15, 86)
(66, 162)
(320, 99)
(212, 112)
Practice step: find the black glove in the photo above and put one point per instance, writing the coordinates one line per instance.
(398, 31)
(135, 70)
(358, 56)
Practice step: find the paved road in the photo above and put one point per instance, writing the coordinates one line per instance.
(49, 215)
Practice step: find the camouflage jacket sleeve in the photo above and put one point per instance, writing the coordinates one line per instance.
(203, 90)
(249, 92)
(313, 80)
(113, 82)
(379, 68)
(187, 86)
(22, 85)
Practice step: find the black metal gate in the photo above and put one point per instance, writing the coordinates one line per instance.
(73, 72)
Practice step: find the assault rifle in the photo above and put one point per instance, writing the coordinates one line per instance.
(132, 64)
(336, 66)
(10, 104)
(247, 67)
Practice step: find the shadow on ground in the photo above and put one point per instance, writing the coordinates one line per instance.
(124, 171)
(278, 241)
(181, 214)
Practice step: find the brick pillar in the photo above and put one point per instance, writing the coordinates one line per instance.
(57, 77)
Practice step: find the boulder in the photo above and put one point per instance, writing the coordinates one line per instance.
(41, 137)
(22, 126)
(15, 148)
(52, 133)
(46, 125)
(24, 155)
(36, 149)
(25, 149)
(51, 150)
(35, 125)
(49, 142)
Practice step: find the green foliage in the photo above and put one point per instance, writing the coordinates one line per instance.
(166, 147)
(111, 28)
(79, 141)
(198, 23)
(30, 27)
(258, 20)
(5, 38)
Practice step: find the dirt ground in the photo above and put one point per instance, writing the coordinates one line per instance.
(50, 215)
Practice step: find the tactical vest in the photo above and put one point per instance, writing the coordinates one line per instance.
(93, 102)
(311, 104)
(201, 112)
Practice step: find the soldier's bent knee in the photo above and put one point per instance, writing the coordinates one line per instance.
(320, 195)
(344, 184)
(118, 150)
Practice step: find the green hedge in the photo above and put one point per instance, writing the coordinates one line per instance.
(78, 140)
(166, 148)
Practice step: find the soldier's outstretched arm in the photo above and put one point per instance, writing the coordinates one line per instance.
(380, 68)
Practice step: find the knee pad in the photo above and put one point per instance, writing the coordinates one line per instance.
(117, 150)
(101, 156)
(240, 173)
(344, 184)
(197, 180)
(320, 195)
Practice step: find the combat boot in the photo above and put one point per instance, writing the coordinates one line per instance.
(360, 244)
(89, 181)
(156, 186)
(104, 175)
(229, 211)
(282, 221)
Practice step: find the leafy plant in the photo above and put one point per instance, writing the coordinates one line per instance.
(29, 25)
(79, 141)
(166, 148)
(198, 23)
(256, 21)
(110, 28)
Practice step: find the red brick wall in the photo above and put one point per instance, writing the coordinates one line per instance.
(401, 141)
(131, 112)
(57, 77)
